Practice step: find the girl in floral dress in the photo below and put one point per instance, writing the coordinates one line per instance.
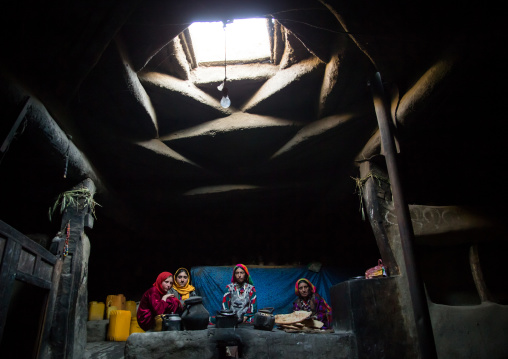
(240, 295)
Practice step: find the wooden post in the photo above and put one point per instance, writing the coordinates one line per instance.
(7, 276)
(476, 269)
(376, 221)
(69, 312)
(426, 342)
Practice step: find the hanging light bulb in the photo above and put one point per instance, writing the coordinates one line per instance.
(225, 101)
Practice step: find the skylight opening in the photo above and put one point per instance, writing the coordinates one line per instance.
(247, 40)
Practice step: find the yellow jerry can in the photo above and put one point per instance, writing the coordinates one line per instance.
(130, 305)
(116, 301)
(135, 328)
(96, 310)
(158, 324)
(109, 310)
(119, 325)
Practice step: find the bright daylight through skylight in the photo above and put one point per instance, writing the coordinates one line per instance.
(246, 39)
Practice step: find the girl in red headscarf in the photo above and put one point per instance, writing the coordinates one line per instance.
(240, 295)
(156, 301)
(310, 301)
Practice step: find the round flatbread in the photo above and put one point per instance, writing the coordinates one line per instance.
(312, 323)
(295, 317)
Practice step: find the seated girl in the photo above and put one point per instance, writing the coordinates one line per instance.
(157, 300)
(182, 284)
(240, 295)
(310, 301)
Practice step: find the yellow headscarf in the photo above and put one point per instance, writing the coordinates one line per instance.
(185, 290)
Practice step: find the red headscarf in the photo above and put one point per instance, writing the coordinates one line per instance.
(248, 279)
(161, 278)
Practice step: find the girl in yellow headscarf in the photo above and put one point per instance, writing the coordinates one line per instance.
(182, 284)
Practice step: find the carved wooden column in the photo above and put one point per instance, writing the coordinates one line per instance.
(371, 205)
(68, 334)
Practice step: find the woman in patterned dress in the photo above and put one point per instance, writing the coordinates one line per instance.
(240, 295)
(310, 301)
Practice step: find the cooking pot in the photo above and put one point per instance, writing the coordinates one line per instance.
(195, 316)
(171, 322)
(226, 318)
(264, 319)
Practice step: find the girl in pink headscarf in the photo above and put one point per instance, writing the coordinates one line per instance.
(157, 300)
(309, 300)
(240, 295)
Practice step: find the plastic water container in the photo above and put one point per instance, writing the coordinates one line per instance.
(109, 310)
(158, 324)
(119, 325)
(116, 301)
(130, 305)
(96, 310)
(135, 328)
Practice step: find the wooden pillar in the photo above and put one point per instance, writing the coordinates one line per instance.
(476, 270)
(67, 340)
(371, 204)
(419, 304)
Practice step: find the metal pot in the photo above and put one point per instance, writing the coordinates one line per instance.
(226, 319)
(171, 322)
(264, 319)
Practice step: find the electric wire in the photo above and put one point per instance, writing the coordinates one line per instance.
(225, 54)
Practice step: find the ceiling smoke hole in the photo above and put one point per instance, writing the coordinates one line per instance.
(243, 40)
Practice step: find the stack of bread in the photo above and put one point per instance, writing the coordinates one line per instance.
(298, 321)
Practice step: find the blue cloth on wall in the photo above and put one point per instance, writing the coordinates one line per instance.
(275, 287)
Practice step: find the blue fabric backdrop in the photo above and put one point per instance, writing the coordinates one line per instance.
(275, 287)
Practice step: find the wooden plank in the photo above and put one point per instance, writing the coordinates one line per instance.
(42, 319)
(21, 116)
(50, 310)
(26, 242)
(36, 267)
(43, 269)
(30, 279)
(7, 276)
(2, 247)
(26, 262)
